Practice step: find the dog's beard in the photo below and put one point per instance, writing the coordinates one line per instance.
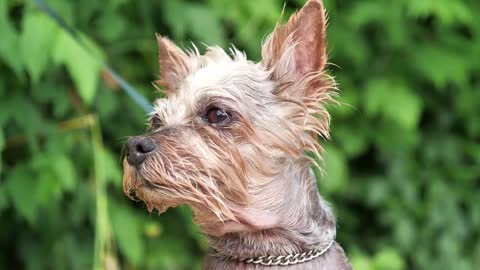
(136, 188)
(210, 210)
(162, 184)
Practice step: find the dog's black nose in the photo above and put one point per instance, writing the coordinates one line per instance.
(137, 149)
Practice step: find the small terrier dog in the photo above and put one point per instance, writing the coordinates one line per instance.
(234, 140)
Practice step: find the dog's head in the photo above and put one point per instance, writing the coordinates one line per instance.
(228, 126)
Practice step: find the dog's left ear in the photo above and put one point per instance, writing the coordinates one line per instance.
(298, 48)
(173, 64)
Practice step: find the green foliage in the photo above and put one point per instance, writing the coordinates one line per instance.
(83, 68)
(402, 172)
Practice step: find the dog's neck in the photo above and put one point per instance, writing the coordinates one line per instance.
(299, 219)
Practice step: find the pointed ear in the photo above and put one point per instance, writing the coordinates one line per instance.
(173, 63)
(298, 48)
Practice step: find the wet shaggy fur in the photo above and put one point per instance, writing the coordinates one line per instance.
(248, 181)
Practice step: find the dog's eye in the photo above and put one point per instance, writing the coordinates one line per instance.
(217, 116)
(156, 122)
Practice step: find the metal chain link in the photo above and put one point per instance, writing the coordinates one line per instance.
(290, 259)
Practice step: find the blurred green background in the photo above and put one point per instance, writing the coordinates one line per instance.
(403, 167)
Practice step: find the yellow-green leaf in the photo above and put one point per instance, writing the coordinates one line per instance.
(83, 67)
(37, 40)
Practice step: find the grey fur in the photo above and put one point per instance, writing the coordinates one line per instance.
(308, 224)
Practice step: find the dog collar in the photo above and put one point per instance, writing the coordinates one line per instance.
(269, 260)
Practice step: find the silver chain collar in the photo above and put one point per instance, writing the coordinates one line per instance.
(289, 259)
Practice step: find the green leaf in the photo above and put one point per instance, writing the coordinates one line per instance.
(21, 186)
(367, 12)
(3, 197)
(361, 262)
(112, 25)
(84, 67)
(2, 145)
(201, 19)
(405, 108)
(353, 143)
(64, 171)
(112, 169)
(198, 18)
(192, 228)
(447, 11)
(394, 102)
(49, 189)
(441, 65)
(127, 233)
(405, 232)
(388, 259)
(170, 11)
(9, 46)
(54, 174)
(37, 41)
(2, 142)
(336, 171)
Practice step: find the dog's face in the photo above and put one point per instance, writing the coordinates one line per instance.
(228, 126)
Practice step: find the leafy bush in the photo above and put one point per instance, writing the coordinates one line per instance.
(403, 167)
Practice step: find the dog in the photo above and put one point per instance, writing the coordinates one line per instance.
(236, 141)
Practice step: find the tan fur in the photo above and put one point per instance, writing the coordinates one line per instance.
(249, 183)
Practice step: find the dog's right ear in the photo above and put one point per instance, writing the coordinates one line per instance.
(173, 64)
(298, 48)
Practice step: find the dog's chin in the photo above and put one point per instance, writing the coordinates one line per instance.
(149, 194)
(211, 226)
